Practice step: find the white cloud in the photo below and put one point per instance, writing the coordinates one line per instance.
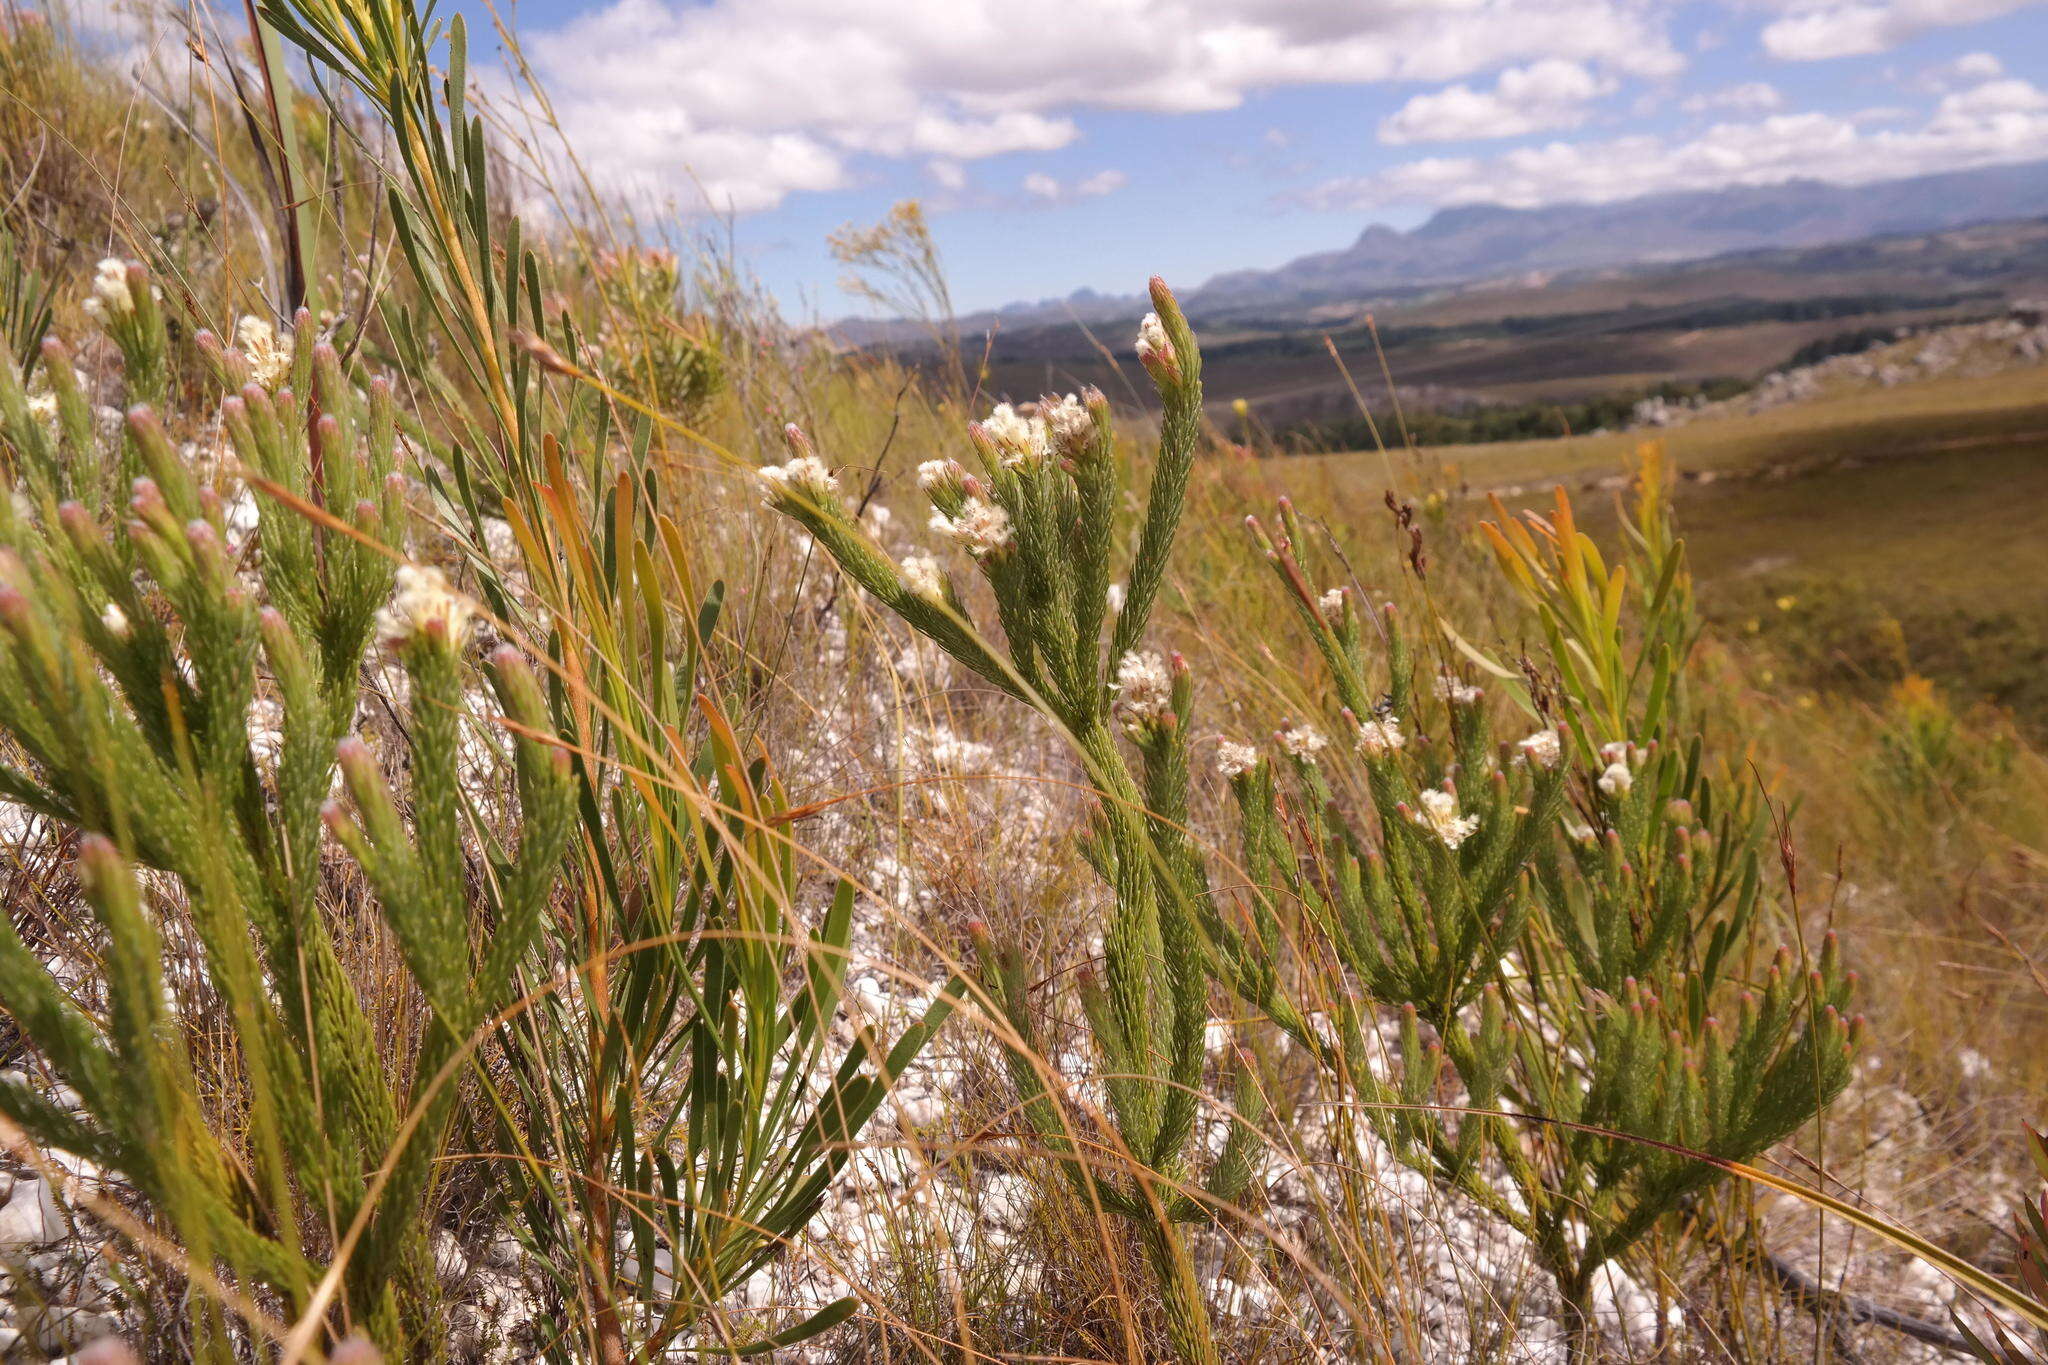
(1552, 93)
(1751, 97)
(1101, 183)
(1811, 30)
(1976, 66)
(1044, 187)
(1999, 121)
(751, 100)
(1992, 100)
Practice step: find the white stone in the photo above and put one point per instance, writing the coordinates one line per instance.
(31, 1217)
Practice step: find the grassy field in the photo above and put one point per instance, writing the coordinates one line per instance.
(1903, 529)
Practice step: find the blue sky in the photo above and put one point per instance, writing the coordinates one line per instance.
(1088, 143)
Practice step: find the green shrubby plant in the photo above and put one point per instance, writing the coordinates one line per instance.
(136, 646)
(678, 1095)
(672, 361)
(1039, 517)
(1570, 925)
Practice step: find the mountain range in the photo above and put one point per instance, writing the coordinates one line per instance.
(1480, 243)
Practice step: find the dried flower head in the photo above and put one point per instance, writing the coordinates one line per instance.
(1301, 741)
(1234, 759)
(1541, 748)
(1379, 736)
(424, 606)
(1439, 815)
(922, 575)
(982, 527)
(1332, 603)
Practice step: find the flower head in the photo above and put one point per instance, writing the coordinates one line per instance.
(1439, 815)
(1455, 690)
(1144, 685)
(938, 474)
(1069, 426)
(1617, 779)
(424, 606)
(1541, 748)
(1234, 759)
(1332, 603)
(804, 477)
(1019, 441)
(1155, 349)
(922, 575)
(110, 297)
(1379, 736)
(269, 356)
(1301, 741)
(1620, 751)
(982, 527)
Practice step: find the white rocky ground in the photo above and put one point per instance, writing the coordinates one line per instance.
(1967, 349)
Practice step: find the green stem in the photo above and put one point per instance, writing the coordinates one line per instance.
(1180, 1293)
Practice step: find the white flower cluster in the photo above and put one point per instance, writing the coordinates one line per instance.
(806, 474)
(1379, 736)
(1144, 686)
(1019, 441)
(110, 297)
(1154, 346)
(1542, 748)
(1620, 756)
(1234, 759)
(1451, 688)
(423, 601)
(982, 527)
(1439, 815)
(1302, 741)
(937, 473)
(269, 356)
(1069, 426)
(1332, 603)
(922, 575)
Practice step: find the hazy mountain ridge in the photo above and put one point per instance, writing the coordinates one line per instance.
(1471, 244)
(1486, 241)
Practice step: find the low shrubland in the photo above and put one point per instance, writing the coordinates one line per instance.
(551, 816)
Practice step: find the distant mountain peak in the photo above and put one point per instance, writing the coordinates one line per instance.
(1473, 243)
